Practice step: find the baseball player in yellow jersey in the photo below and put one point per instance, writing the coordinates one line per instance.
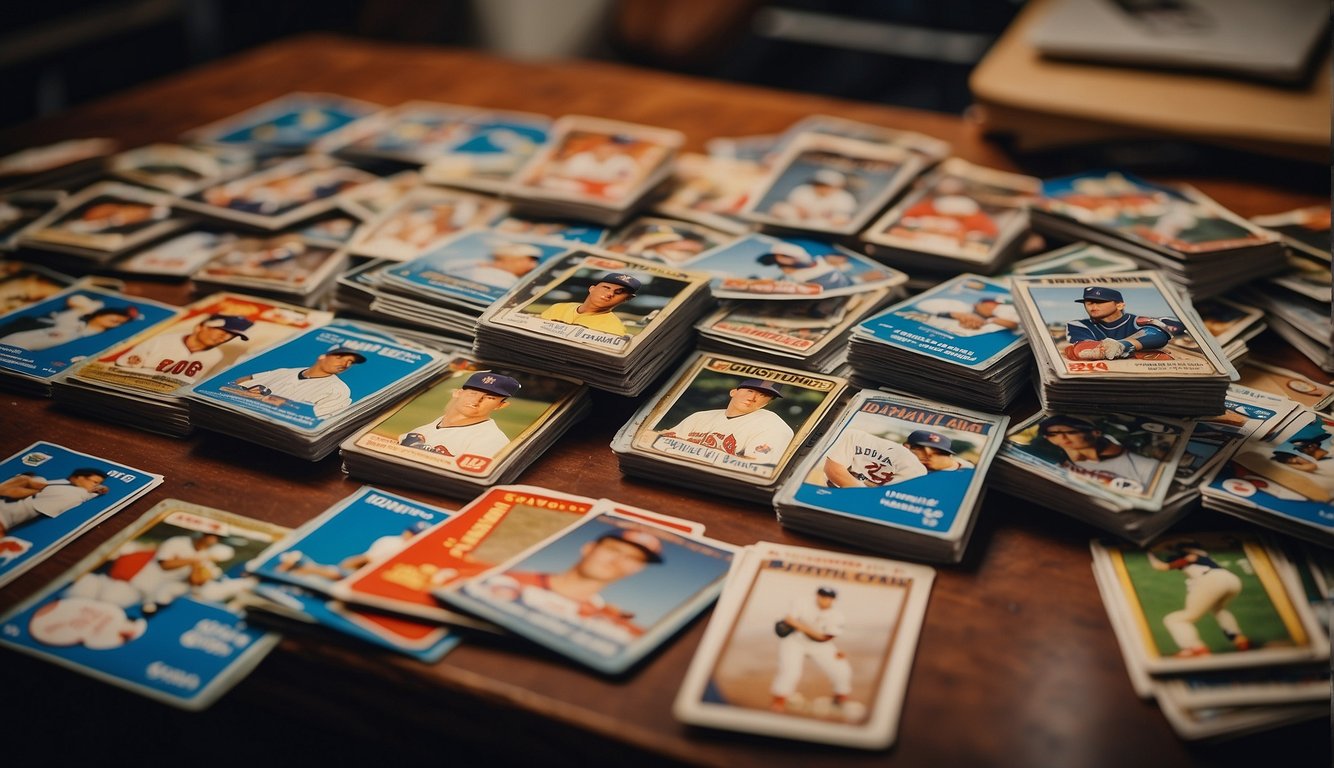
(610, 291)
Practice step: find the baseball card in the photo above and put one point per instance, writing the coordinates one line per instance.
(1206, 601)
(412, 132)
(605, 592)
(496, 146)
(1131, 458)
(179, 170)
(178, 256)
(797, 329)
(152, 610)
(930, 149)
(854, 619)
(290, 123)
(313, 378)
(109, 217)
(333, 229)
(1308, 277)
(46, 338)
(665, 240)
(572, 233)
(471, 420)
(829, 184)
(208, 336)
(280, 195)
(968, 320)
(1249, 412)
(1285, 383)
(489, 530)
(19, 209)
(17, 167)
(1115, 326)
(603, 162)
(370, 200)
(1305, 230)
(711, 191)
(1075, 259)
(1225, 723)
(763, 267)
(475, 267)
(50, 495)
(1226, 320)
(1290, 476)
(420, 221)
(284, 263)
(734, 417)
(23, 284)
(1288, 684)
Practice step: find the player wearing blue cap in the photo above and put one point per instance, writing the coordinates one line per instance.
(744, 428)
(466, 428)
(317, 385)
(609, 292)
(859, 459)
(1111, 333)
(187, 357)
(936, 452)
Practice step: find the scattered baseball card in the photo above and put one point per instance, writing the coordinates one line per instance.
(420, 221)
(855, 619)
(151, 610)
(895, 475)
(51, 495)
(665, 240)
(284, 266)
(712, 191)
(368, 201)
(471, 270)
(569, 231)
(1249, 412)
(102, 221)
(1074, 259)
(287, 124)
(1305, 230)
(930, 149)
(1283, 382)
(23, 284)
(280, 195)
(34, 166)
(1288, 684)
(178, 256)
(763, 267)
(1231, 324)
(605, 592)
(178, 169)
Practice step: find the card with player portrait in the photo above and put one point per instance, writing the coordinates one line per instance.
(282, 265)
(178, 169)
(764, 267)
(23, 284)
(711, 190)
(420, 221)
(279, 195)
(605, 592)
(49, 495)
(154, 609)
(178, 256)
(1074, 259)
(474, 268)
(103, 220)
(289, 123)
(854, 619)
(830, 185)
(1249, 412)
(665, 240)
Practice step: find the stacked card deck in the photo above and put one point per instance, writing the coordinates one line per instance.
(732, 425)
(289, 267)
(895, 476)
(54, 166)
(1120, 342)
(1198, 244)
(305, 395)
(848, 613)
(612, 321)
(1074, 259)
(359, 292)
(140, 382)
(1297, 300)
(91, 228)
(958, 342)
(1217, 627)
(474, 427)
(1117, 472)
(1231, 323)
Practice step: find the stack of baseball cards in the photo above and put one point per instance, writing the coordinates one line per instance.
(299, 571)
(154, 609)
(732, 425)
(1074, 259)
(305, 395)
(604, 592)
(140, 381)
(612, 321)
(475, 427)
(285, 267)
(1297, 300)
(179, 169)
(54, 166)
(178, 256)
(50, 494)
(896, 476)
(288, 124)
(100, 223)
(278, 196)
(959, 218)
(959, 342)
(1116, 472)
(1217, 628)
(1250, 412)
(1103, 343)
(594, 169)
(669, 241)
(420, 220)
(759, 266)
(1201, 246)
(856, 621)
(44, 339)
(1231, 323)
(711, 190)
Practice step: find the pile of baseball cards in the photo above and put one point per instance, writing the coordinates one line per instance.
(289, 266)
(855, 619)
(729, 424)
(895, 475)
(97, 224)
(959, 342)
(1231, 323)
(1216, 626)
(1298, 299)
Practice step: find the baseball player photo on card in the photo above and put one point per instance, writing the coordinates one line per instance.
(421, 220)
(809, 644)
(285, 263)
(605, 592)
(476, 267)
(287, 124)
(759, 266)
(154, 610)
(23, 284)
(106, 218)
(665, 240)
(280, 195)
(711, 190)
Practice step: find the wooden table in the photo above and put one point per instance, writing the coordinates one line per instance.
(1016, 665)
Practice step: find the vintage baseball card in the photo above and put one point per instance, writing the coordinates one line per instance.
(603, 162)
(333, 229)
(1206, 601)
(797, 329)
(1115, 326)
(208, 336)
(471, 420)
(412, 132)
(280, 195)
(1305, 230)
(23, 284)
(487, 157)
(494, 527)
(1226, 320)
(368, 201)
(178, 169)
(50, 494)
(809, 644)
(969, 320)
(1249, 412)
(109, 217)
(665, 240)
(711, 190)
(1287, 684)
(1075, 259)
(930, 149)
(284, 263)
(733, 417)
(829, 184)
(152, 609)
(287, 124)
(764, 267)
(46, 338)
(313, 378)
(475, 267)
(570, 232)
(17, 167)
(178, 256)
(604, 592)
(420, 221)
(1256, 374)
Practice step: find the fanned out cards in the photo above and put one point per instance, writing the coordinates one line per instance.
(155, 609)
(854, 621)
(895, 475)
(734, 424)
(1102, 343)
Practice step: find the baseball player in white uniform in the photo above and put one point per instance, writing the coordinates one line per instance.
(84, 317)
(466, 427)
(800, 266)
(508, 263)
(936, 452)
(606, 170)
(317, 385)
(986, 315)
(743, 428)
(815, 623)
(1210, 588)
(24, 498)
(298, 564)
(823, 200)
(1097, 456)
(859, 459)
(187, 357)
(153, 578)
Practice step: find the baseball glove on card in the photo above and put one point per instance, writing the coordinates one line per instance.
(782, 628)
